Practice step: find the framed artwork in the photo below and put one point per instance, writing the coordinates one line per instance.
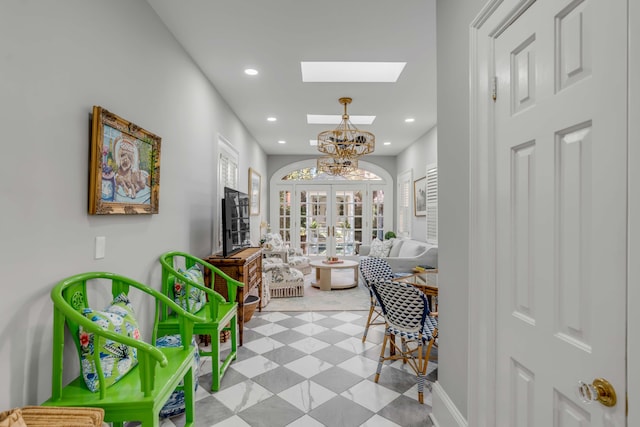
(420, 196)
(124, 170)
(254, 192)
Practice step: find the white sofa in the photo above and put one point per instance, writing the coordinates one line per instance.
(405, 254)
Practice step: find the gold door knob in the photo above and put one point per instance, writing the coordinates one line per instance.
(600, 390)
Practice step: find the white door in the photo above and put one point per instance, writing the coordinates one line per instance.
(560, 128)
(331, 218)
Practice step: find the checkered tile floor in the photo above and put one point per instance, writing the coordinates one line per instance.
(311, 369)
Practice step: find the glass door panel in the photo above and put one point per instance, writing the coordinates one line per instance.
(285, 222)
(377, 214)
(313, 210)
(347, 220)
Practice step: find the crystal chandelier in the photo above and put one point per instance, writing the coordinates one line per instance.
(346, 141)
(334, 166)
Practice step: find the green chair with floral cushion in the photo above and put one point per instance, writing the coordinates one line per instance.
(183, 282)
(127, 377)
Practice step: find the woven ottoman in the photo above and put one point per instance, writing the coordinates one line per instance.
(284, 281)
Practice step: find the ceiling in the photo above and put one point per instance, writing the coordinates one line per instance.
(225, 37)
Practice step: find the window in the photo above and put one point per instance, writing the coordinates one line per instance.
(305, 205)
(228, 167)
(432, 204)
(311, 174)
(227, 177)
(404, 204)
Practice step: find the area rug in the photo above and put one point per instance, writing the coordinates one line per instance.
(314, 299)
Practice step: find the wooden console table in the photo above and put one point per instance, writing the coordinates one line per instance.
(244, 266)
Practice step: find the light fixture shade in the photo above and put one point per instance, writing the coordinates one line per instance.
(346, 141)
(335, 166)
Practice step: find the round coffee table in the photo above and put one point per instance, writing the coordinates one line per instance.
(323, 275)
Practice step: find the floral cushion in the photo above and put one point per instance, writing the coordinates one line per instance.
(380, 248)
(175, 404)
(197, 298)
(274, 242)
(116, 359)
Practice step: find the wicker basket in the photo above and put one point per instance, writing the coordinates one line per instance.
(57, 416)
(250, 305)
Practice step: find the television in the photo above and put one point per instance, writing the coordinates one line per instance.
(235, 222)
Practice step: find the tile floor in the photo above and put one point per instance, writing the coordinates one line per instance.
(307, 369)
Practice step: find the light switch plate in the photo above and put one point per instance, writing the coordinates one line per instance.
(101, 243)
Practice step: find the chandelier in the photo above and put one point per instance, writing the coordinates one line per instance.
(346, 141)
(334, 166)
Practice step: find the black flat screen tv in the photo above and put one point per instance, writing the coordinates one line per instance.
(235, 222)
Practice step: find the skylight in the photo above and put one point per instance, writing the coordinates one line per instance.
(351, 72)
(334, 119)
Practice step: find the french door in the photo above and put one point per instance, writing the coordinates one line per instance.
(330, 219)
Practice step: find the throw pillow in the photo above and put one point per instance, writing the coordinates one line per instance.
(175, 404)
(395, 247)
(274, 241)
(411, 249)
(116, 359)
(196, 298)
(380, 248)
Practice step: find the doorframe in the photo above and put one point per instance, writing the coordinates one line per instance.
(633, 185)
(493, 18)
(386, 184)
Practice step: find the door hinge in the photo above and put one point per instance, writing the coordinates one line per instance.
(494, 89)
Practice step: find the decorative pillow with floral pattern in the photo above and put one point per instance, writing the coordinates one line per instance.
(196, 298)
(175, 404)
(116, 359)
(274, 242)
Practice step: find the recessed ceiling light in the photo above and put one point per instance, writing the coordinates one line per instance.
(313, 142)
(282, 142)
(251, 71)
(353, 72)
(271, 119)
(410, 120)
(386, 143)
(334, 119)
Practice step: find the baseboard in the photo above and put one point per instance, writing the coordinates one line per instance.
(445, 413)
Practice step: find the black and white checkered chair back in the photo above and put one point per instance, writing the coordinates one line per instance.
(406, 308)
(375, 269)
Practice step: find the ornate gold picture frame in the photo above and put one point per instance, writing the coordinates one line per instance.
(124, 170)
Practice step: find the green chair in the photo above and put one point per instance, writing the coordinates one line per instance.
(183, 282)
(104, 348)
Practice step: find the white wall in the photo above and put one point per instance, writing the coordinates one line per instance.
(57, 60)
(423, 152)
(453, 19)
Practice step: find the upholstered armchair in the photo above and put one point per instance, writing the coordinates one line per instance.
(274, 248)
(284, 281)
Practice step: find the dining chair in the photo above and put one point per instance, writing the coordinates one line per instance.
(407, 315)
(372, 268)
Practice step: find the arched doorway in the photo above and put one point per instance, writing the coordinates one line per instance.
(329, 215)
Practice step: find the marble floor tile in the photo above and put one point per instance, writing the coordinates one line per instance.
(310, 369)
